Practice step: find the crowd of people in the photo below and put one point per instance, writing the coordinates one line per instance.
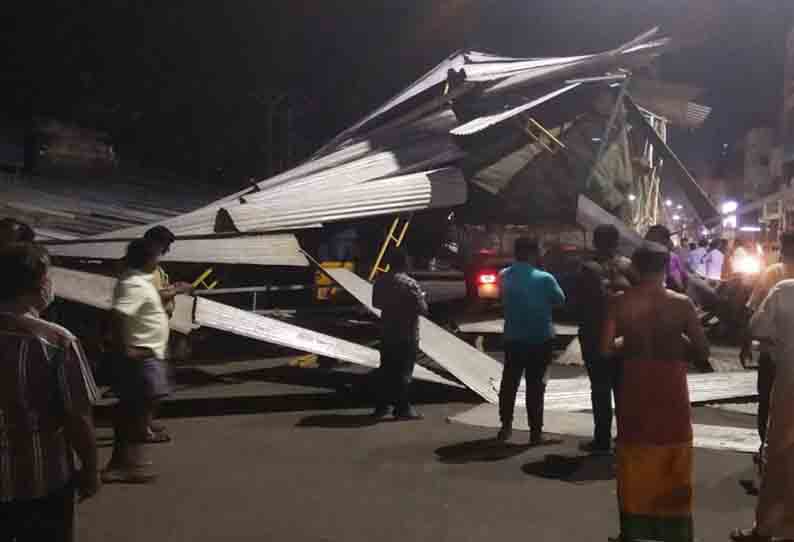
(47, 386)
(639, 333)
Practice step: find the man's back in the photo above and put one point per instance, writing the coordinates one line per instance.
(43, 375)
(529, 295)
(401, 300)
(597, 279)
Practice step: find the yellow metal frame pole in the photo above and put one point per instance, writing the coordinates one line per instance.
(390, 238)
(202, 280)
(547, 133)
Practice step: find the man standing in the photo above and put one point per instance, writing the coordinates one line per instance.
(774, 322)
(46, 396)
(606, 275)
(766, 364)
(528, 295)
(695, 261)
(659, 331)
(402, 301)
(141, 331)
(163, 238)
(714, 260)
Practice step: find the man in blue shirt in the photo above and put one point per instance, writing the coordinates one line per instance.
(528, 295)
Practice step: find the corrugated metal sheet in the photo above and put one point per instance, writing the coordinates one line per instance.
(580, 424)
(564, 69)
(696, 114)
(497, 327)
(574, 394)
(439, 188)
(474, 368)
(276, 250)
(372, 168)
(481, 123)
(97, 291)
(245, 324)
(434, 77)
(67, 207)
(485, 68)
(426, 145)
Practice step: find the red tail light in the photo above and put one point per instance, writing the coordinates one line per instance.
(487, 277)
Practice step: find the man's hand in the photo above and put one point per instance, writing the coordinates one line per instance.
(88, 484)
(183, 288)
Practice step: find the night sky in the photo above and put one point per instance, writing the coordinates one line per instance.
(182, 85)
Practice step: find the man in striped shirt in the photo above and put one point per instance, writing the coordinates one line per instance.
(46, 396)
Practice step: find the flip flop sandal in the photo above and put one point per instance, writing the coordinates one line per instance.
(157, 428)
(748, 535)
(157, 438)
(122, 476)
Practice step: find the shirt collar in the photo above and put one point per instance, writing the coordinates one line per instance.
(142, 274)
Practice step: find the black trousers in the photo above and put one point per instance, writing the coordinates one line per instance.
(395, 374)
(766, 380)
(49, 518)
(532, 362)
(604, 373)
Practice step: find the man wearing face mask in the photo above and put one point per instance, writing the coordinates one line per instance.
(46, 397)
(140, 331)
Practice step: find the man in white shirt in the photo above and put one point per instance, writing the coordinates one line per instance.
(140, 378)
(695, 260)
(714, 260)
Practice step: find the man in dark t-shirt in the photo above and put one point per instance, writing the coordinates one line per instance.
(402, 302)
(606, 274)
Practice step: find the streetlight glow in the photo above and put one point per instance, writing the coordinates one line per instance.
(632, 197)
(729, 207)
(669, 203)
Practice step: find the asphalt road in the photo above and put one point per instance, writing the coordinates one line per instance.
(274, 453)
